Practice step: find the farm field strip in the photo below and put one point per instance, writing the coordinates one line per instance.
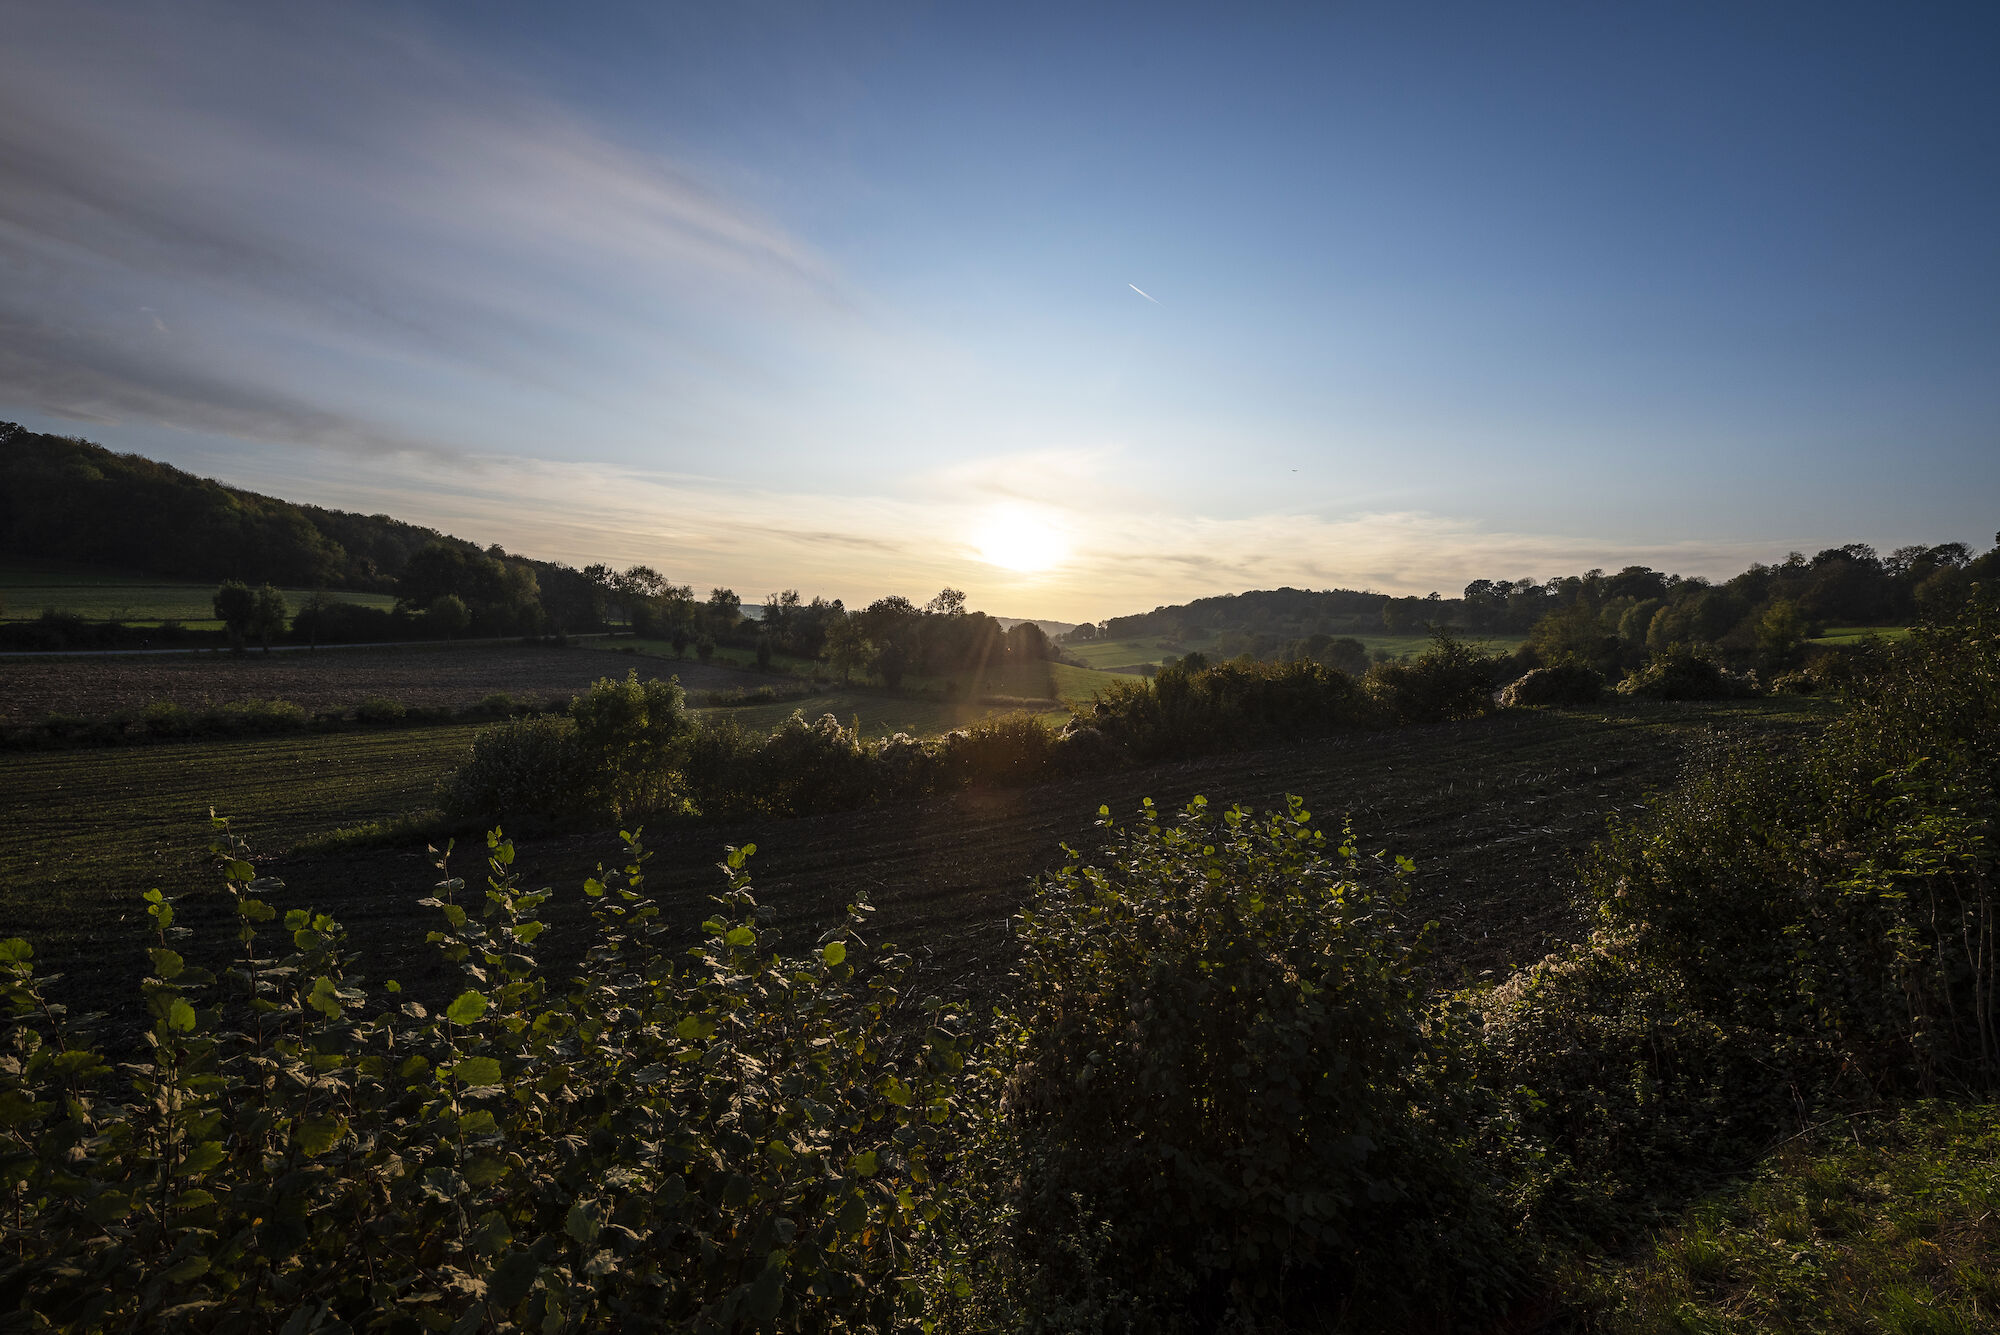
(86, 832)
(330, 679)
(133, 599)
(1493, 811)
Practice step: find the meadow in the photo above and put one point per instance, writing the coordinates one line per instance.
(27, 587)
(1849, 636)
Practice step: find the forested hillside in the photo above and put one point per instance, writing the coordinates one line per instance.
(67, 499)
(1612, 621)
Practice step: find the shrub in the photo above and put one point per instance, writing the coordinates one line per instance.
(530, 773)
(164, 718)
(1786, 932)
(1448, 681)
(633, 736)
(253, 716)
(817, 766)
(1686, 672)
(1081, 749)
(1192, 710)
(380, 709)
(1570, 683)
(1228, 1092)
(728, 1139)
(1007, 749)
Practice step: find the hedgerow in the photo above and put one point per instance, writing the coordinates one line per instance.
(721, 1139)
(1783, 934)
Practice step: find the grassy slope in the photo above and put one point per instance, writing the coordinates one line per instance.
(97, 594)
(1887, 1226)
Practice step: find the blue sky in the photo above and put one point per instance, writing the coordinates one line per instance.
(849, 298)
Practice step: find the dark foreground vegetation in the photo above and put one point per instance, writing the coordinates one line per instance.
(1221, 1094)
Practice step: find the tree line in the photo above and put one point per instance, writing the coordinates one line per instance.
(1611, 620)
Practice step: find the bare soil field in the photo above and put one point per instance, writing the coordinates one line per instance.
(1494, 812)
(333, 679)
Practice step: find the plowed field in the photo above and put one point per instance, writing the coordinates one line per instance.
(332, 679)
(1493, 811)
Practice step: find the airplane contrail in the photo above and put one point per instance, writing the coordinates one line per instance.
(1144, 293)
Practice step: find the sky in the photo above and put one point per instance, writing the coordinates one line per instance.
(1081, 309)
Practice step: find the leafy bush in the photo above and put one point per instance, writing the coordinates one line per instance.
(1228, 1092)
(633, 735)
(1450, 680)
(530, 773)
(727, 1139)
(817, 766)
(1686, 672)
(253, 716)
(1786, 932)
(1006, 749)
(1188, 708)
(380, 709)
(1570, 683)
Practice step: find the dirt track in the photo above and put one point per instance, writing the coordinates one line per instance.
(332, 679)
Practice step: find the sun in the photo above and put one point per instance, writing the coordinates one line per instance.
(1016, 538)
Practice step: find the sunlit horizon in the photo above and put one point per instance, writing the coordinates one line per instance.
(1082, 324)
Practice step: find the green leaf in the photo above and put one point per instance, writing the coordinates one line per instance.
(167, 963)
(202, 1158)
(582, 1223)
(740, 936)
(180, 1016)
(767, 1291)
(324, 998)
(238, 870)
(194, 1267)
(896, 1092)
(478, 1071)
(692, 1027)
(512, 1278)
(317, 1135)
(15, 951)
(834, 953)
(468, 1007)
(864, 1164)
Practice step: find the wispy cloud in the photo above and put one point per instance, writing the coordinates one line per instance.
(288, 223)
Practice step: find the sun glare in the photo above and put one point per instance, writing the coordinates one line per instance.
(1018, 539)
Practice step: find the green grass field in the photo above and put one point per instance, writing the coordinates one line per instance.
(26, 587)
(884, 715)
(1851, 635)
